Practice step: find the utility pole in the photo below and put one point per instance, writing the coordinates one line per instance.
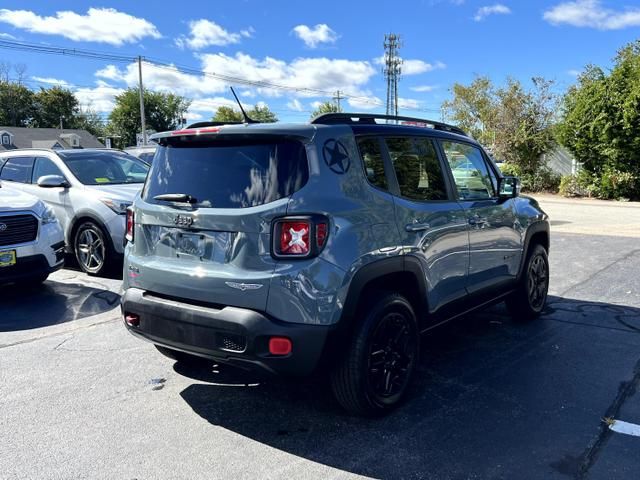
(392, 70)
(337, 97)
(61, 117)
(142, 119)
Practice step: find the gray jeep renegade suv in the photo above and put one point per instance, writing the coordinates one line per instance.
(286, 248)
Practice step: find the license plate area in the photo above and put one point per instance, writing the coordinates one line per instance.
(7, 258)
(190, 245)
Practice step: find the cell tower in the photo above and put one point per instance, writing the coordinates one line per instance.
(392, 70)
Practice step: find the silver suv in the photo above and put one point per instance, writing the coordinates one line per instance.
(88, 189)
(334, 245)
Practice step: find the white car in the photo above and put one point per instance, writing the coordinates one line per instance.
(88, 189)
(31, 238)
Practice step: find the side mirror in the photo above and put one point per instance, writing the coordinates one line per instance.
(52, 181)
(509, 187)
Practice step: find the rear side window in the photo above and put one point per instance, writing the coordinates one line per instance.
(373, 164)
(229, 174)
(417, 168)
(17, 169)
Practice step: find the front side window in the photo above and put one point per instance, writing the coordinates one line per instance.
(17, 169)
(44, 166)
(373, 164)
(104, 167)
(417, 168)
(470, 172)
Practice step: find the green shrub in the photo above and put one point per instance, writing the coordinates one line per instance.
(543, 180)
(615, 184)
(570, 186)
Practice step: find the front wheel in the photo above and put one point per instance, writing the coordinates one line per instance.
(376, 371)
(530, 296)
(92, 249)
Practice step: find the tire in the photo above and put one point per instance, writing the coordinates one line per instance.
(530, 297)
(92, 249)
(378, 367)
(178, 356)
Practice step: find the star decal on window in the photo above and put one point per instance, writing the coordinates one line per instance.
(336, 156)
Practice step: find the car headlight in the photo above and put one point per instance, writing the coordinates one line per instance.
(118, 206)
(48, 216)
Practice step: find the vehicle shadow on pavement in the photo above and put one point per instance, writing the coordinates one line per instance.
(489, 395)
(51, 303)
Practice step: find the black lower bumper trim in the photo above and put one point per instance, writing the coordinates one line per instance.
(230, 335)
(26, 268)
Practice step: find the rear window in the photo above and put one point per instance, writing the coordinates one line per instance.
(228, 174)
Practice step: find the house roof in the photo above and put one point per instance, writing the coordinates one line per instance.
(39, 137)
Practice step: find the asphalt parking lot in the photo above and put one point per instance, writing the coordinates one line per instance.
(81, 398)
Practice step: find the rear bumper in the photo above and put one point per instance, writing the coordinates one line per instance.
(228, 335)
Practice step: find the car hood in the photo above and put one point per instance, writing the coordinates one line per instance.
(121, 192)
(14, 200)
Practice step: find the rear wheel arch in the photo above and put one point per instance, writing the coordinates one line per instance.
(399, 274)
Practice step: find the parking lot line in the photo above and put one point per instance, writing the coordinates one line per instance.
(625, 427)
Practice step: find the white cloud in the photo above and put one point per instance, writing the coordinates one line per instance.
(295, 105)
(52, 81)
(304, 74)
(7, 35)
(423, 88)
(312, 37)
(204, 108)
(497, 9)
(408, 103)
(591, 13)
(109, 72)
(573, 72)
(204, 33)
(103, 25)
(414, 66)
(365, 102)
(100, 98)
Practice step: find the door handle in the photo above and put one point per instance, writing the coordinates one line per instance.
(477, 220)
(417, 227)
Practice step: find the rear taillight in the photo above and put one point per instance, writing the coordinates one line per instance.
(299, 236)
(294, 238)
(130, 224)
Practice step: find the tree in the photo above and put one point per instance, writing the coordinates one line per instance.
(514, 122)
(601, 124)
(260, 113)
(16, 104)
(163, 111)
(53, 107)
(325, 107)
(89, 120)
(227, 115)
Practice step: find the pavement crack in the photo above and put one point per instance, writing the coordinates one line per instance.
(591, 277)
(63, 342)
(590, 455)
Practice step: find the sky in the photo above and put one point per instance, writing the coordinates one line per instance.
(298, 54)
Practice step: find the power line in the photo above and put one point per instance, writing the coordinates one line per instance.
(229, 79)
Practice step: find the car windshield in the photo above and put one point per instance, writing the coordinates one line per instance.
(105, 167)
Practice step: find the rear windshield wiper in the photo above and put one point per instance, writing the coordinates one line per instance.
(176, 198)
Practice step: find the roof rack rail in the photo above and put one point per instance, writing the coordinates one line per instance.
(370, 119)
(212, 124)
